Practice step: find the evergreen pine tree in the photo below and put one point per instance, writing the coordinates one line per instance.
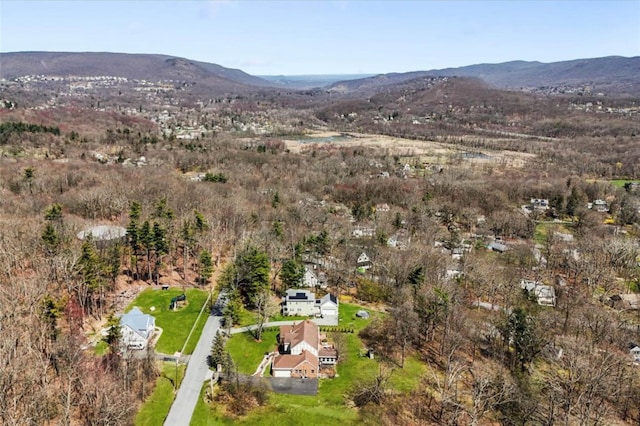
(51, 239)
(218, 354)
(206, 266)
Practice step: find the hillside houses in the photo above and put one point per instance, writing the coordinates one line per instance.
(545, 295)
(312, 278)
(363, 263)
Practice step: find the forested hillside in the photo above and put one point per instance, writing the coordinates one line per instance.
(501, 233)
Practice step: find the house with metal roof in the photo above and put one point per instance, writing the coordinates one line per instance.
(136, 328)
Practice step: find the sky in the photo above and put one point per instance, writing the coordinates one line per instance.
(304, 37)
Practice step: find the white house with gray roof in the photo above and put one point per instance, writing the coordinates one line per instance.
(136, 328)
(304, 303)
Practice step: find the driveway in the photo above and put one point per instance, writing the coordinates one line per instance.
(328, 321)
(293, 386)
(189, 391)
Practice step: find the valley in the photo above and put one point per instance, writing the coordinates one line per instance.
(398, 249)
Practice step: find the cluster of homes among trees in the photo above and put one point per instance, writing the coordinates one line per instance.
(443, 245)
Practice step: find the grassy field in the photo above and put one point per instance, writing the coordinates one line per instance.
(620, 182)
(329, 406)
(246, 318)
(281, 317)
(175, 325)
(247, 353)
(249, 318)
(542, 229)
(156, 407)
(101, 348)
(348, 318)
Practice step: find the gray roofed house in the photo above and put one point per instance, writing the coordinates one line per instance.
(136, 328)
(545, 294)
(304, 303)
(299, 302)
(497, 246)
(328, 306)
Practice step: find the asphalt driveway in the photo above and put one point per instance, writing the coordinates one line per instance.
(293, 386)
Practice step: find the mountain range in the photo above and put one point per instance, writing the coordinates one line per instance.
(612, 75)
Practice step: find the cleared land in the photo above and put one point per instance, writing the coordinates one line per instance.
(175, 325)
(156, 407)
(433, 152)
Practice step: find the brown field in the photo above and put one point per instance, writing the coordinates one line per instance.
(428, 152)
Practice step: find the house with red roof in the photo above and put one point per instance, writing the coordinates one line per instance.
(302, 352)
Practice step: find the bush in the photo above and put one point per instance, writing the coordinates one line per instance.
(218, 178)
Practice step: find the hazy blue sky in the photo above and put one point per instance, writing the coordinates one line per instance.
(339, 37)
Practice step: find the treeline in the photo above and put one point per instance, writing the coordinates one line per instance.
(6, 129)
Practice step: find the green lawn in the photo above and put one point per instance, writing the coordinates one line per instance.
(328, 407)
(249, 318)
(247, 353)
(542, 229)
(348, 318)
(156, 408)
(101, 348)
(281, 317)
(175, 325)
(620, 182)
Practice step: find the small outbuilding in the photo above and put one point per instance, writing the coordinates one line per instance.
(362, 314)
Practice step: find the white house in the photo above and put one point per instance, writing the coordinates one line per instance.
(136, 328)
(539, 204)
(600, 206)
(363, 262)
(328, 306)
(310, 279)
(299, 302)
(634, 351)
(544, 294)
(363, 231)
(399, 240)
(303, 303)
